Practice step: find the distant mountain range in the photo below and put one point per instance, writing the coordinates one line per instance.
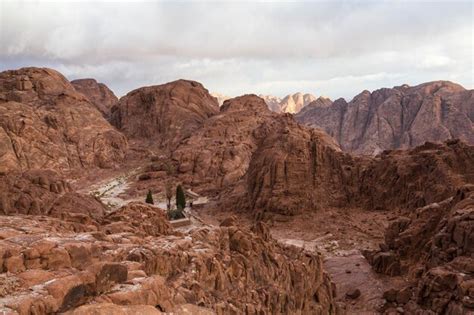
(395, 118)
(291, 103)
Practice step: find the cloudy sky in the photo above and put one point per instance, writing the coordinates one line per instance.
(335, 48)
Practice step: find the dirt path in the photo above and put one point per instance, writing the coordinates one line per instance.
(340, 235)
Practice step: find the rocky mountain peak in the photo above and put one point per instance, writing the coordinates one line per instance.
(97, 93)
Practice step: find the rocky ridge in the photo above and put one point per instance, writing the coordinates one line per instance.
(97, 93)
(46, 123)
(400, 117)
(433, 245)
(164, 114)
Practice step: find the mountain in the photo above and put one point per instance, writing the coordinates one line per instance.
(166, 113)
(399, 117)
(272, 102)
(97, 93)
(46, 123)
(283, 211)
(292, 103)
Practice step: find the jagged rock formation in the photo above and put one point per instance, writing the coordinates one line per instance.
(222, 269)
(218, 154)
(46, 123)
(291, 103)
(293, 168)
(41, 192)
(400, 117)
(409, 179)
(434, 246)
(97, 93)
(165, 114)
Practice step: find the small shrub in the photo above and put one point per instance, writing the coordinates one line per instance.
(149, 197)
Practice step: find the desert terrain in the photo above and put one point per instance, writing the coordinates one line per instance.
(327, 211)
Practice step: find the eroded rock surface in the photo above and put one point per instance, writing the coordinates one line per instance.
(220, 269)
(164, 114)
(46, 123)
(219, 153)
(40, 192)
(434, 246)
(97, 93)
(400, 117)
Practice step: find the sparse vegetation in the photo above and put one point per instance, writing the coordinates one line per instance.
(149, 197)
(175, 214)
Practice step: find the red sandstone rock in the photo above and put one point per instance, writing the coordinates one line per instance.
(46, 123)
(97, 93)
(165, 114)
(401, 117)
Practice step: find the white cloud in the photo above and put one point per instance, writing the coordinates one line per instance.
(238, 47)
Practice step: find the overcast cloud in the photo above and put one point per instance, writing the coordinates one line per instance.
(336, 48)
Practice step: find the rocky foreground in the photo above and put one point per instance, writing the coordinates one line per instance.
(65, 251)
(131, 261)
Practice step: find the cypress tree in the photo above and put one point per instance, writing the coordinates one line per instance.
(149, 197)
(180, 198)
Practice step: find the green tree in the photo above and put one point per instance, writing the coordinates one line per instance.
(180, 198)
(149, 197)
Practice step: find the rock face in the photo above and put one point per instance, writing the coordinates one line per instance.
(97, 93)
(41, 192)
(400, 117)
(165, 114)
(434, 246)
(218, 154)
(292, 169)
(291, 103)
(46, 123)
(296, 169)
(414, 178)
(226, 270)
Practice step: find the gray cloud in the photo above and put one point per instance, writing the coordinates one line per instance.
(327, 48)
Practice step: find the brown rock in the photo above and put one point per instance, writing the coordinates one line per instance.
(51, 125)
(97, 93)
(400, 117)
(167, 113)
(353, 294)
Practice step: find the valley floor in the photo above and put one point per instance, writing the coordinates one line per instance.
(340, 235)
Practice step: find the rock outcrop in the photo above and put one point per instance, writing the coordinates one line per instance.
(41, 192)
(293, 170)
(46, 123)
(218, 154)
(222, 270)
(434, 247)
(97, 93)
(164, 114)
(400, 117)
(408, 179)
